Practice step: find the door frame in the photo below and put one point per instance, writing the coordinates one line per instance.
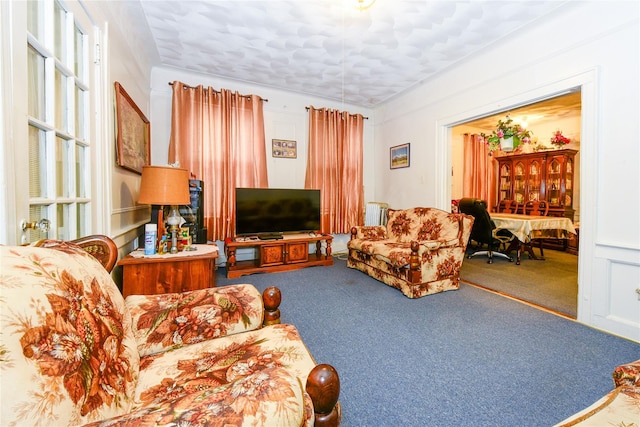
(587, 82)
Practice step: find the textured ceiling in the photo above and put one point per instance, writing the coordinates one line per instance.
(328, 48)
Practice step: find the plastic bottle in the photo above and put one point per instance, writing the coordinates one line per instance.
(150, 235)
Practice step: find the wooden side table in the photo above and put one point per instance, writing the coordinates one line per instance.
(169, 273)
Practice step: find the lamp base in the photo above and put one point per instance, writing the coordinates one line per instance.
(174, 222)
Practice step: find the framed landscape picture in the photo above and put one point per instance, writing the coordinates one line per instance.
(133, 138)
(399, 156)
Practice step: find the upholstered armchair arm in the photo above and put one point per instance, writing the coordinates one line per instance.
(436, 259)
(169, 321)
(369, 232)
(628, 374)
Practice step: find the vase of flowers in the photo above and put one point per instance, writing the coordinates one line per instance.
(507, 136)
(558, 140)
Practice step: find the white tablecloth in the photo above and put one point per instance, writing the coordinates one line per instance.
(524, 227)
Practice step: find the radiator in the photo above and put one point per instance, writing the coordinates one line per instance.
(376, 213)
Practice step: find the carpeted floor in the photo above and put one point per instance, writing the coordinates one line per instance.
(459, 358)
(552, 283)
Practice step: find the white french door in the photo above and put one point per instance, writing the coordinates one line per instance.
(52, 120)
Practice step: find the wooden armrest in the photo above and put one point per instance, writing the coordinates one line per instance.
(100, 247)
(323, 385)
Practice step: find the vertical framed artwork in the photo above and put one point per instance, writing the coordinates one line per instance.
(399, 156)
(284, 148)
(133, 137)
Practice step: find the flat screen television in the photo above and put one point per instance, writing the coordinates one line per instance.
(273, 211)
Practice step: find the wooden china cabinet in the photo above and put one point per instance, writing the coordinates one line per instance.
(544, 175)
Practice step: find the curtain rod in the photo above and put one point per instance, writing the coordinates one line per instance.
(217, 91)
(365, 118)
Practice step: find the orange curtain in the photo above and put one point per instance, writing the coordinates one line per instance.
(334, 165)
(219, 137)
(479, 171)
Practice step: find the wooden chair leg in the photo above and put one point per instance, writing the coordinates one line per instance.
(540, 246)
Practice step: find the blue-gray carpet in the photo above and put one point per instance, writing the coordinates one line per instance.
(459, 358)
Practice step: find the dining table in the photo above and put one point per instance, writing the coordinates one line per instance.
(526, 228)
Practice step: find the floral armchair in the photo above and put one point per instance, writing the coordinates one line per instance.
(419, 251)
(74, 352)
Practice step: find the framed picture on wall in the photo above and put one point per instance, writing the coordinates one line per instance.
(284, 148)
(133, 137)
(399, 156)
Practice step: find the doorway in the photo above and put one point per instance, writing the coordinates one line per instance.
(559, 290)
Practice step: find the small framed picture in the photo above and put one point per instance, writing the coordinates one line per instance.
(284, 148)
(399, 156)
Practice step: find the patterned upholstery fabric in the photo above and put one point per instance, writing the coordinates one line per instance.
(619, 407)
(69, 351)
(169, 321)
(385, 252)
(627, 375)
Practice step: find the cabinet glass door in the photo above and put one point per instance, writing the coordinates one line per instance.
(553, 181)
(568, 195)
(519, 182)
(505, 182)
(535, 179)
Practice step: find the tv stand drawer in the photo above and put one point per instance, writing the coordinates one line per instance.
(297, 252)
(272, 254)
(287, 253)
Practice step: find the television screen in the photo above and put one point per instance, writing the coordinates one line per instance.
(276, 210)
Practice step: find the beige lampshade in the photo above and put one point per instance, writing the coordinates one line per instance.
(164, 185)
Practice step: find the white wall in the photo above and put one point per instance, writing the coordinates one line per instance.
(594, 45)
(127, 60)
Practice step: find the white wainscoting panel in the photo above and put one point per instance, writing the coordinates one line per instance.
(616, 301)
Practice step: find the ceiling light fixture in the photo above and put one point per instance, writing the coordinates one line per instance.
(364, 4)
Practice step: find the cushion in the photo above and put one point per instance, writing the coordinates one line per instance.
(371, 232)
(168, 321)
(397, 254)
(217, 371)
(422, 224)
(66, 338)
(272, 397)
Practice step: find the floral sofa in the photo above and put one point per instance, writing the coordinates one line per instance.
(74, 352)
(619, 407)
(419, 251)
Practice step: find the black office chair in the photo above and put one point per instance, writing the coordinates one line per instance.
(483, 228)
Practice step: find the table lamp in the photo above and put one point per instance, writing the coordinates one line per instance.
(165, 186)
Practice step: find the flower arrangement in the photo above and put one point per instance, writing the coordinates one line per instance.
(559, 140)
(506, 129)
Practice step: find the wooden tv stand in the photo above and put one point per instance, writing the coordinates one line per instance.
(289, 253)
